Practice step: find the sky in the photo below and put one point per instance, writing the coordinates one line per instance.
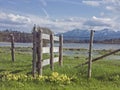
(60, 15)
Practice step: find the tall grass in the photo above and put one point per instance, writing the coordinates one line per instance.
(105, 73)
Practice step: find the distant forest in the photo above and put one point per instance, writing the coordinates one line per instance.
(18, 36)
(27, 37)
(22, 37)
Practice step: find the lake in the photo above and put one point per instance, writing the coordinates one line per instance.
(74, 45)
(96, 46)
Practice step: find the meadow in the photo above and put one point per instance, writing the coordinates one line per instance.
(105, 72)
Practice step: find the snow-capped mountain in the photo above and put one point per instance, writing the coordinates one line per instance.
(78, 34)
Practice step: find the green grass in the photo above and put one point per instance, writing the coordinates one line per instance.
(105, 73)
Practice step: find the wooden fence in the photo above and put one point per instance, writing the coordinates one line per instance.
(39, 50)
(90, 60)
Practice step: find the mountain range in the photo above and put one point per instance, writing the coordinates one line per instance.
(84, 35)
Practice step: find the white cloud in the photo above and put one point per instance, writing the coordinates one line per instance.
(18, 18)
(58, 24)
(101, 23)
(14, 18)
(10, 21)
(114, 9)
(110, 8)
(91, 3)
(111, 5)
(101, 19)
(109, 18)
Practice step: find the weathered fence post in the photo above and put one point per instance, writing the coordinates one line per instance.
(34, 52)
(39, 52)
(51, 52)
(12, 47)
(60, 50)
(90, 54)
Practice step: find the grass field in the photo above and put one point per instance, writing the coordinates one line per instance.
(105, 73)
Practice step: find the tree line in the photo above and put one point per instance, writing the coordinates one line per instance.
(18, 36)
(22, 37)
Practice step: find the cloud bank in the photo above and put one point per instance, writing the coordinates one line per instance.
(10, 21)
(26, 22)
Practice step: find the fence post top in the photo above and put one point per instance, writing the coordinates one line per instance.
(11, 34)
(93, 30)
(34, 25)
(40, 30)
(34, 28)
(52, 34)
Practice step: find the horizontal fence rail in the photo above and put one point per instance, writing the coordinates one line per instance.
(47, 61)
(46, 36)
(47, 49)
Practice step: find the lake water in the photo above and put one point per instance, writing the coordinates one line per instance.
(73, 45)
(68, 45)
(95, 46)
(7, 44)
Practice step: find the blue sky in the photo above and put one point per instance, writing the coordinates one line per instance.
(59, 15)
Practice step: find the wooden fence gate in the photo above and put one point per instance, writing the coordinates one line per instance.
(39, 50)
